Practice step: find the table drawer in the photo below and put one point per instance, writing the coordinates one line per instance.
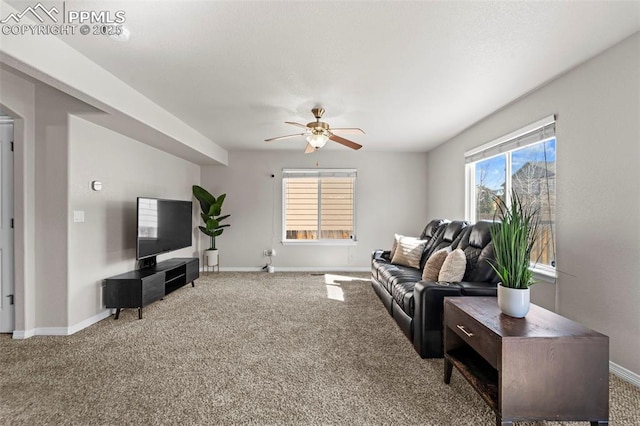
(481, 339)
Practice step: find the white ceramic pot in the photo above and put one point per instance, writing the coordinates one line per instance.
(211, 257)
(513, 301)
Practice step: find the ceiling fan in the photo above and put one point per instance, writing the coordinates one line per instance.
(318, 133)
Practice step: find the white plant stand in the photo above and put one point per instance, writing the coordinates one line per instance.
(210, 259)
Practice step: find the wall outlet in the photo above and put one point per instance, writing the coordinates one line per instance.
(273, 252)
(270, 252)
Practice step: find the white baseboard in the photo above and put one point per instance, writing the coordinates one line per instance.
(61, 331)
(23, 334)
(624, 374)
(299, 269)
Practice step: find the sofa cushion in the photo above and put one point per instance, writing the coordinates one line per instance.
(447, 237)
(391, 274)
(409, 252)
(478, 248)
(431, 229)
(454, 267)
(402, 293)
(436, 236)
(434, 264)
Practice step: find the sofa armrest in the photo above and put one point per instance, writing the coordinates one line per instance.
(429, 302)
(429, 311)
(381, 254)
(479, 289)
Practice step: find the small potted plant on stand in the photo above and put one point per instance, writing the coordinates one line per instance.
(211, 208)
(514, 235)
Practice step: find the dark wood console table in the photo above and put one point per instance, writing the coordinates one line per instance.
(541, 367)
(137, 289)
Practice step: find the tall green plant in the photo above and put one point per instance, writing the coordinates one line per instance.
(211, 208)
(514, 235)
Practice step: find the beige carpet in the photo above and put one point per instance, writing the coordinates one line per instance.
(246, 348)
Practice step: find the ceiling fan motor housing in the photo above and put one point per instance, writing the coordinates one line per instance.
(318, 127)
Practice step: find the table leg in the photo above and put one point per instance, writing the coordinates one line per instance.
(117, 314)
(448, 368)
(140, 313)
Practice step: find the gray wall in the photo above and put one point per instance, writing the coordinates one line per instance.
(598, 158)
(18, 100)
(60, 264)
(105, 244)
(51, 190)
(390, 198)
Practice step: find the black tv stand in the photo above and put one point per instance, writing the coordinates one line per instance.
(139, 288)
(147, 262)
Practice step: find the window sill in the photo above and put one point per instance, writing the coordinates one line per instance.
(319, 243)
(544, 275)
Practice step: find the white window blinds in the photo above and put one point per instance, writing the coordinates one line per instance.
(529, 135)
(319, 204)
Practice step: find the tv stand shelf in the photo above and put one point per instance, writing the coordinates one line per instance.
(139, 288)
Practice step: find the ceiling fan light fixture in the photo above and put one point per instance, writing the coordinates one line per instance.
(317, 140)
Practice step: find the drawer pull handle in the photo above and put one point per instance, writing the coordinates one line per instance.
(461, 327)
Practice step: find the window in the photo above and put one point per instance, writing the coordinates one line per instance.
(319, 205)
(524, 162)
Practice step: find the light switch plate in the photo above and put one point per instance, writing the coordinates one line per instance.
(78, 215)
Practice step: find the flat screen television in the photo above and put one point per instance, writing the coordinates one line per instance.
(163, 226)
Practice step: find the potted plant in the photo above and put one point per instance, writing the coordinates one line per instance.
(211, 208)
(514, 236)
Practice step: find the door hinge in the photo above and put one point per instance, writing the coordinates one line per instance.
(10, 299)
(12, 146)
(11, 222)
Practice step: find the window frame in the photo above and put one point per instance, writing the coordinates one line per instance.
(506, 145)
(319, 173)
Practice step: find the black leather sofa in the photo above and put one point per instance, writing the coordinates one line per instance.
(417, 306)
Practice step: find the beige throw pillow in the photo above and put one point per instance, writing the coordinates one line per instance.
(408, 252)
(396, 238)
(432, 268)
(453, 268)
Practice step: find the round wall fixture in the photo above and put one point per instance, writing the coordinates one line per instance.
(96, 185)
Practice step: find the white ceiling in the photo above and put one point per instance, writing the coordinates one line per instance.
(411, 74)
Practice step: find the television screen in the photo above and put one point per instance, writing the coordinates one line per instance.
(163, 225)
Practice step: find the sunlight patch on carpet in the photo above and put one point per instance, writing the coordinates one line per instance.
(334, 292)
(332, 281)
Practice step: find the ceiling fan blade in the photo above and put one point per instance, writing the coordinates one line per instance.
(309, 149)
(304, 126)
(345, 142)
(284, 137)
(348, 130)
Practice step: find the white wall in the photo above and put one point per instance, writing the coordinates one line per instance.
(390, 197)
(598, 170)
(105, 244)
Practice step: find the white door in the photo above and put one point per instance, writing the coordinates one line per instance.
(7, 315)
